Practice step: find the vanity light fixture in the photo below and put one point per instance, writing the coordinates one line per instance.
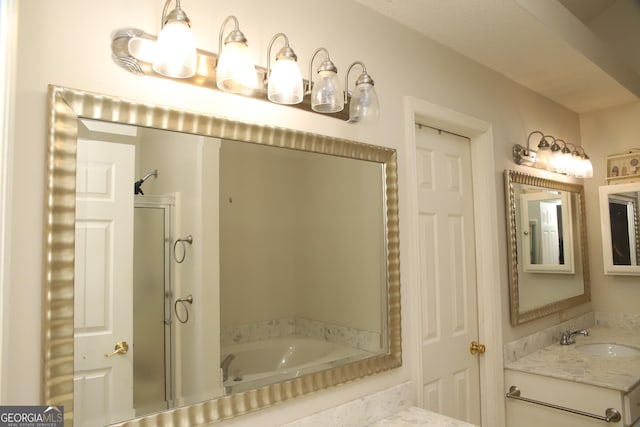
(235, 73)
(326, 94)
(364, 104)
(284, 84)
(232, 71)
(175, 49)
(557, 157)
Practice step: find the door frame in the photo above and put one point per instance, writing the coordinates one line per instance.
(492, 405)
(8, 49)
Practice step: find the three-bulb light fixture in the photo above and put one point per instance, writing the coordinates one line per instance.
(555, 157)
(173, 54)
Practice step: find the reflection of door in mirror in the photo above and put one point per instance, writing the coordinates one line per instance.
(620, 228)
(546, 231)
(622, 217)
(103, 282)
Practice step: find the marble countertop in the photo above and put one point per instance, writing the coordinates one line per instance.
(415, 416)
(566, 362)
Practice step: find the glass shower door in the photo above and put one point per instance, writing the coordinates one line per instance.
(152, 389)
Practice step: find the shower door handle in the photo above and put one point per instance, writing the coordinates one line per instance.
(121, 348)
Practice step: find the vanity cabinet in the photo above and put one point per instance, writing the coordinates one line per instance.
(570, 394)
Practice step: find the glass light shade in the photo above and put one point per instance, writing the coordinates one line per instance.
(587, 168)
(364, 106)
(326, 94)
(285, 82)
(576, 164)
(543, 158)
(579, 170)
(556, 160)
(564, 163)
(584, 168)
(175, 51)
(235, 73)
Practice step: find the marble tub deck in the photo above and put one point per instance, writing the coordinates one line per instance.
(566, 362)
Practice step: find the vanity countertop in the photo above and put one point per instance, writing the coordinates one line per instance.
(414, 416)
(566, 362)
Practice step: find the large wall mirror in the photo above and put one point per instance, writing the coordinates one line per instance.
(199, 268)
(547, 247)
(619, 223)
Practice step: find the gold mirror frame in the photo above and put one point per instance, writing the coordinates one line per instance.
(65, 106)
(512, 178)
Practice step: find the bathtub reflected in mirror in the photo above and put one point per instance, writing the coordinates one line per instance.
(254, 364)
(283, 244)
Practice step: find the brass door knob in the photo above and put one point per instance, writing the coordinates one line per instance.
(121, 348)
(477, 348)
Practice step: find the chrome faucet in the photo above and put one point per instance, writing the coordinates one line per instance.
(568, 338)
(225, 366)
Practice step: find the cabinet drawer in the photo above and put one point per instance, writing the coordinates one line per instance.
(568, 394)
(632, 406)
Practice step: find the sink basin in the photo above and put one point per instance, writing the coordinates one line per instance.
(609, 350)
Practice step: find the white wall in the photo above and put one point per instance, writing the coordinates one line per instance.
(67, 43)
(282, 212)
(607, 132)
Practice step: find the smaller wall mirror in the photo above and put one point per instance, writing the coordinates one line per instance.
(548, 257)
(619, 224)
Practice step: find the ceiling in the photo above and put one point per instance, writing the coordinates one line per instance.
(582, 54)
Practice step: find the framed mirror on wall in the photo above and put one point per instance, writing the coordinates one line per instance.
(619, 225)
(320, 237)
(547, 246)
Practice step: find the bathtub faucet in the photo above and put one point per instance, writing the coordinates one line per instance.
(225, 366)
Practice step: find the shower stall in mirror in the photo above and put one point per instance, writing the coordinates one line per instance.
(152, 296)
(134, 267)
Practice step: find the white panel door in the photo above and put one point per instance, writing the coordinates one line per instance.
(103, 386)
(549, 233)
(447, 278)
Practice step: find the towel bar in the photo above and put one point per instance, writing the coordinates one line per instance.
(611, 415)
